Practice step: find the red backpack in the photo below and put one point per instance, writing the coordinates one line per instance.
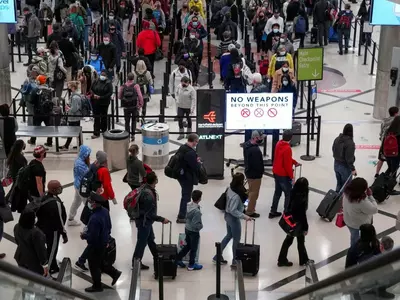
(148, 170)
(390, 146)
(131, 203)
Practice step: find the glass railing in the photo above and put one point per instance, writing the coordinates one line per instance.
(65, 275)
(240, 293)
(375, 278)
(134, 292)
(19, 284)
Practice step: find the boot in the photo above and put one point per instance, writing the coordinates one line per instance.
(188, 131)
(181, 134)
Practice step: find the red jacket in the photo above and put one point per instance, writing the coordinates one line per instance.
(149, 40)
(283, 161)
(104, 176)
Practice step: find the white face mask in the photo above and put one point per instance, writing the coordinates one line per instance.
(282, 40)
(282, 53)
(106, 42)
(348, 11)
(102, 77)
(111, 17)
(90, 206)
(275, 30)
(192, 36)
(285, 83)
(93, 57)
(285, 69)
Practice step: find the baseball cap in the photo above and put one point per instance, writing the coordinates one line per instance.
(39, 150)
(101, 157)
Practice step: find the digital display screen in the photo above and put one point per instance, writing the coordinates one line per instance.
(210, 128)
(7, 12)
(385, 12)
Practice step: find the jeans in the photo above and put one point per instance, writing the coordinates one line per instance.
(130, 115)
(69, 140)
(186, 194)
(76, 203)
(31, 44)
(323, 31)
(192, 244)
(301, 248)
(233, 231)
(100, 119)
(145, 237)
(342, 174)
(282, 184)
(300, 36)
(181, 113)
(354, 235)
(343, 33)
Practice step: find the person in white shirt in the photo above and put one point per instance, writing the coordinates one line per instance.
(275, 19)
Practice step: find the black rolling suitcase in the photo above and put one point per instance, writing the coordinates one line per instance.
(314, 35)
(296, 139)
(331, 204)
(249, 254)
(169, 253)
(383, 185)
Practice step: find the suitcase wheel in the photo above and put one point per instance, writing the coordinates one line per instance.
(173, 277)
(254, 274)
(329, 219)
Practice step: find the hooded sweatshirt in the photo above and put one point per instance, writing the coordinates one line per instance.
(343, 149)
(135, 169)
(253, 161)
(80, 166)
(193, 217)
(283, 162)
(384, 127)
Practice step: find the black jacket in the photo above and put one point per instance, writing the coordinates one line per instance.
(117, 39)
(364, 12)
(19, 162)
(108, 54)
(135, 59)
(224, 26)
(319, 15)
(361, 252)
(52, 215)
(259, 28)
(343, 149)
(148, 207)
(292, 10)
(189, 164)
(55, 36)
(269, 42)
(253, 161)
(298, 209)
(104, 89)
(9, 137)
(68, 48)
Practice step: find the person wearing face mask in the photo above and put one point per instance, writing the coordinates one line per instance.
(276, 19)
(101, 93)
(199, 5)
(228, 25)
(224, 62)
(95, 61)
(278, 59)
(343, 26)
(56, 62)
(289, 86)
(271, 39)
(176, 77)
(149, 40)
(55, 36)
(69, 51)
(364, 14)
(225, 42)
(182, 20)
(117, 39)
(283, 41)
(31, 27)
(45, 16)
(148, 20)
(277, 78)
(112, 20)
(125, 12)
(108, 53)
(258, 29)
(300, 27)
(51, 218)
(159, 15)
(194, 44)
(185, 102)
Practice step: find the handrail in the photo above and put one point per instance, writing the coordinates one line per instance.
(65, 267)
(311, 276)
(35, 278)
(134, 291)
(240, 293)
(370, 265)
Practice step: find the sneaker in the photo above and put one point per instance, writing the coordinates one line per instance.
(180, 264)
(285, 264)
(274, 214)
(395, 193)
(346, 51)
(385, 295)
(132, 139)
(94, 289)
(340, 52)
(180, 137)
(144, 267)
(181, 221)
(73, 223)
(81, 266)
(234, 265)
(31, 143)
(223, 261)
(48, 145)
(63, 148)
(116, 277)
(253, 215)
(194, 267)
(95, 137)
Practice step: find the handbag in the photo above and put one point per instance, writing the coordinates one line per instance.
(340, 220)
(59, 75)
(203, 178)
(159, 55)
(6, 181)
(6, 214)
(288, 225)
(221, 202)
(125, 179)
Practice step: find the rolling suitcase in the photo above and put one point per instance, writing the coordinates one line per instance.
(314, 35)
(296, 139)
(382, 187)
(331, 204)
(169, 253)
(249, 254)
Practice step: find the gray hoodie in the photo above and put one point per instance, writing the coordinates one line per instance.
(234, 204)
(385, 126)
(193, 217)
(343, 149)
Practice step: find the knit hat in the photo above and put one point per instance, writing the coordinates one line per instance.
(101, 157)
(42, 79)
(39, 150)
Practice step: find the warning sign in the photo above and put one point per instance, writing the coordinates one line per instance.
(259, 111)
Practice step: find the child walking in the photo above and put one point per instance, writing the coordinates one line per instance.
(192, 231)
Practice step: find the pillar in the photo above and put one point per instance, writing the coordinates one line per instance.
(5, 80)
(389, 56)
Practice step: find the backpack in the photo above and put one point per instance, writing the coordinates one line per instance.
(89, 180)
(264, 64)
(328, 15)
(80, 26)
(23, 177)
(344, 21)
(148, 171)
(86, 106)
(131, 203)
(129, 96)
(390, 146)
(174, 166)
(36, 205)
(300, 26)
(45, 103)
(142, 81)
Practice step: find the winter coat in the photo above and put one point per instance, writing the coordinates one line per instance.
(356, 213)
(149, 40)
(186, 97)
(199, 5)
(253, 161)
(343, 149)
(148, 207)
(76, 108)
(32, 25)
(80, 166)
(277, 79)
(319, 15)
(234, 204)
(52, 63)
(384, 127)
(277, 62)
(103, 89)
(117, 39)
(135, 170)
(52, 215)
(108, 55)
(283, 161)
(176, 77)
(68, 48)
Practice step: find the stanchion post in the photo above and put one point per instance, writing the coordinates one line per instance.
(12, 53)
(312, 119)
(373, 60)
(301, 94)
(112, 114)
(160, 278)
(354, 34)
(19, 47)
(116, 104)
(162, 110)
(360, 40)
(218, 294)
(318, 137)
(308, 157)
(210, 75)
(365, 53)
(165, 84)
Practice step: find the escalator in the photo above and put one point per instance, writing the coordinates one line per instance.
(377, 278)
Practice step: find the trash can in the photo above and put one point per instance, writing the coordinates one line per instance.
(116, 144)
(155, 138)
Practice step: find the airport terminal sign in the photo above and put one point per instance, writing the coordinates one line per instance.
(7, 12)
(259, 111)
(310, 64)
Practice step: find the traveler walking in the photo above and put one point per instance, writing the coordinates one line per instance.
(134, 167)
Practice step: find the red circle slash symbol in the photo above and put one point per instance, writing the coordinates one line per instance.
(259, 112)
(272, 112)
(245, 112)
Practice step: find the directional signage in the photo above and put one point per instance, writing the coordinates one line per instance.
(310, 64)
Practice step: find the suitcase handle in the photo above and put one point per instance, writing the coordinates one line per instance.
(254, 231)
(170, 233)
(295, 171)
(344, 185)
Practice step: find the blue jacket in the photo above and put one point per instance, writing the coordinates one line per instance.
(253, 161)
(96, 64)
(99, 228)
(224, 62)
(80, 166)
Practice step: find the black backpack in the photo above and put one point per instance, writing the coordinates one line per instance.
(24, 177)
(174, 166)
(89, 181)
(129, 96)
(45, 103)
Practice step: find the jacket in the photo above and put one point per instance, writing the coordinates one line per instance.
(193, 46)
(108, 55)
(70, 28)
(135, 170)
(55, 36)
(76, 108)
(98, 229)
(384, 127)
(259, 88)
(259, 28)
(360, 252)
(277, 61)
(223, 47)
(283, 161)
(193, 217)
(104, 89)
(7, 133)
(32, 26)
(176, 77)
(146, 61)
(149, 40)
(31, 252)
(77, 20)
(277, 79)
(19, 162)
(224, 63)
(356, 214)
(364, 12)
(159, 15)
(271, 21)
(228, 24)
(80, 166)
(126, 12)
(199, 5)
(68, 48)
(186, 97)
(103, 174)
(148, 207)
(288, 46)
(189, 164)
(298, 209)
(253, 161)
(319, 15)
(271, 40)
(96, 64)
(51, 67)
(52, 215)
(234, 205)
(292, 10)
(138, 92)
(343, 149)
(117, 39)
